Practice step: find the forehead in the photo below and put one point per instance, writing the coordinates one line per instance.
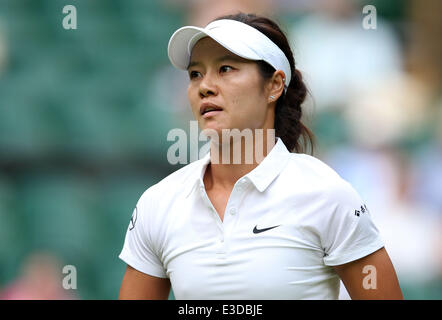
(208, 49)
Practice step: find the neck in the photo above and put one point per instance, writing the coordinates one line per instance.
(236, 156)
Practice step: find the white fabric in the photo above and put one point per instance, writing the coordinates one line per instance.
(237, 37)
(179, 235)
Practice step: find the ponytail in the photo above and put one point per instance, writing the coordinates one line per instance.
(288, 126)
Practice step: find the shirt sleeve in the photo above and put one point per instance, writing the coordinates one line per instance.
(350, 233)
(139, 249)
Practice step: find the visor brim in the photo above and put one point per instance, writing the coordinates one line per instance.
(182, 41)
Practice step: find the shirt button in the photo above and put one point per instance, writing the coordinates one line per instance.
(232, 211)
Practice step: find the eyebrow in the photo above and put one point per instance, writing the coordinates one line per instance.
(220, 59)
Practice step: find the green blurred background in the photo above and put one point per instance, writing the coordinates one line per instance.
(84, 116)
(79, 138)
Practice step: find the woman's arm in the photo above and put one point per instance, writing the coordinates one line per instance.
(371, 277)
(140, 286)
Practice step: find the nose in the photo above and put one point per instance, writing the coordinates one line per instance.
(208, 86)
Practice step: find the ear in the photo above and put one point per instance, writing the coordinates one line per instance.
(276, 86)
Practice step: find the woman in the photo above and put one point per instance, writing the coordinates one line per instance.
(282, 227)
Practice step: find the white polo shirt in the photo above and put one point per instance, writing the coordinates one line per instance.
(286, 223)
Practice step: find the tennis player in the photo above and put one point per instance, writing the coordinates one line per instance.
(286, 227)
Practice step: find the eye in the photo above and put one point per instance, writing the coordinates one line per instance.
(225, 68)
(194, 74)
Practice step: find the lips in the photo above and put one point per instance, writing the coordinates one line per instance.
(209, 108)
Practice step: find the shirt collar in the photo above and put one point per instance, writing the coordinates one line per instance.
(261, 176)
(270, 167)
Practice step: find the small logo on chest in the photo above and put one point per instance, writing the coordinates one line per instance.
(256, 230)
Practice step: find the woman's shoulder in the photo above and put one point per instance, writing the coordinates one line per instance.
(310, 168)
(184, 174)
(154, 201)
(177, 180)
(314, 174)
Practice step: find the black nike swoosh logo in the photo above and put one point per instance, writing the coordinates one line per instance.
(256, 230)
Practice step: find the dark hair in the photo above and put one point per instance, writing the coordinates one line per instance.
(288, 112)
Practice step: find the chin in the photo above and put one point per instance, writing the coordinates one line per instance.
(212, 130)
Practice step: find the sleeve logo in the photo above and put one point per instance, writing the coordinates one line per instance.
(362, 210)
(133, 219)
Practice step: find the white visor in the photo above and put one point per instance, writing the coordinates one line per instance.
(237, 37)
